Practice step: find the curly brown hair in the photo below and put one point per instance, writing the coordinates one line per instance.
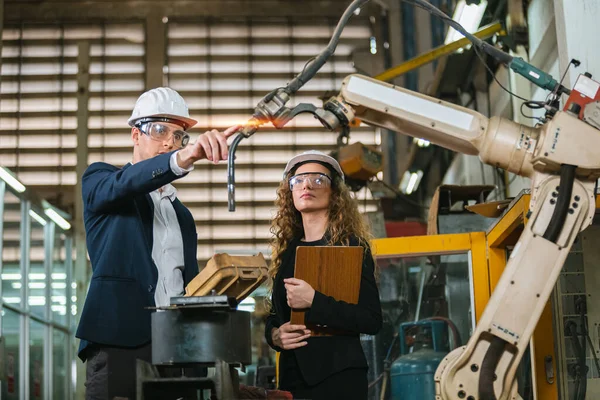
(345, 221)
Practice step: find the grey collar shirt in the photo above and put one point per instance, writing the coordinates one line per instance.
(167, 245)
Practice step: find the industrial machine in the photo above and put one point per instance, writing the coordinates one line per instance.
(360, 163)
(559, 155)
(205, 329)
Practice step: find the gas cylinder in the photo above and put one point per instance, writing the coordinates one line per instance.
(412, 374)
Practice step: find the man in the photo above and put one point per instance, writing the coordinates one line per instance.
(141, 239)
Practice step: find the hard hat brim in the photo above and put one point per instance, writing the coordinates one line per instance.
(316, 157)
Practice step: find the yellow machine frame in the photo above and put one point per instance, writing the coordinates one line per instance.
(488, 257)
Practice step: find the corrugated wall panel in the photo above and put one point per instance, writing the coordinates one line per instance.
(222, 68)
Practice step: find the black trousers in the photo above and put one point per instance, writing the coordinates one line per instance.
(111, 373)
(349, 384)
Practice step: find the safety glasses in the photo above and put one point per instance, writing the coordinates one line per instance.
(161, 132)
(312, 179)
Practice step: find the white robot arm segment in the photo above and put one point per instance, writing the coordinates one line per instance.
(497, 141)
(413, 114)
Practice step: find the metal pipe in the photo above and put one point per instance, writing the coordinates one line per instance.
(436, 53)
(71, 343)
(421, 288)
(231, 171)
(2, 191)
(24, 301)
(48, 358)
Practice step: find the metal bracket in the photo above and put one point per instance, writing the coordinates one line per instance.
(549, 369)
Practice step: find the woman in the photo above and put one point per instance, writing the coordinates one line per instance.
(315, 209)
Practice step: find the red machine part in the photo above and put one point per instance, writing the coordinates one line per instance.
(586, 90)
(405, 228)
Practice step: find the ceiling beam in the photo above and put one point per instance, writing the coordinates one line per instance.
(76, 11)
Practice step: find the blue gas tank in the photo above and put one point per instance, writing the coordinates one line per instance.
(411, 374)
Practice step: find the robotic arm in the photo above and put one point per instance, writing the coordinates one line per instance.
(561, 159)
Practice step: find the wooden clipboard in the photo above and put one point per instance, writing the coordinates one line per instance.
(332, 270)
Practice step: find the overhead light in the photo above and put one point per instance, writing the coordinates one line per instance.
(37, 217)
(61, 310)
(11, 277)
(58, 220)
(59, 285)
(59, 299)
(37, 301)
(410, 181)
(12, 300)
(37, 285)
(422, 142)
(413, 183)
(469, 16)
(13, 182)
(373, 45)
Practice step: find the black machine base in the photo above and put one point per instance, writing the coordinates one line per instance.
(223, 385)
(200, 330)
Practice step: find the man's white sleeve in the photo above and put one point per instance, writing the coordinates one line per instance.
(177, 170)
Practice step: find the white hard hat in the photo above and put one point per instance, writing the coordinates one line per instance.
(313, 156)
(162, 102)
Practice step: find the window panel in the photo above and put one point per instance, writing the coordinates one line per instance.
(11, 328)
(58, 300)
(60, 359)
(36, 360)
(11, 251)
(37, 275)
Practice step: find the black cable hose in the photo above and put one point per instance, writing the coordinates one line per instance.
(498, 54)
(309, 71)
(567, 177)
(488, 369)
(315, 65)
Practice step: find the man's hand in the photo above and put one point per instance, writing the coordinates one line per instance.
(299, 293)
(290, 336)
(211, 145)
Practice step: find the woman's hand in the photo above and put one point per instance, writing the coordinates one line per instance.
(290, 336)
(299, 293)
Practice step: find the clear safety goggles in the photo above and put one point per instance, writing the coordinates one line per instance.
(161, 132)
(312, 179)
